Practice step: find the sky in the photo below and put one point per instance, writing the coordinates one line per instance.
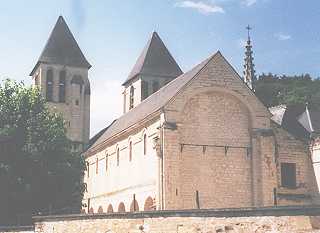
(111, 34)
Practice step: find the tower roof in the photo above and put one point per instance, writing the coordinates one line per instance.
(155, 60)
(62, 48)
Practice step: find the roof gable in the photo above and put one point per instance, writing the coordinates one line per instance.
(62, 48)
(155, 60)
(151, 104)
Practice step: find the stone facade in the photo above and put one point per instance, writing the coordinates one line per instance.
(207, 221)
(76, 107)
(212, 138)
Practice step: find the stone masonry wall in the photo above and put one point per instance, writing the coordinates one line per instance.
(206, 221)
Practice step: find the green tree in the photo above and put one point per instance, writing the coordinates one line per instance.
(38, 171)
(273, 90)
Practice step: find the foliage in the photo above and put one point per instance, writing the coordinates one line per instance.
(38, 171)
(273, 90)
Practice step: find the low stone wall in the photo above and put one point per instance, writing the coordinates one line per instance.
(15, 229)
(280, 219)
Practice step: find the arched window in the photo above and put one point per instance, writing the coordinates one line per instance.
(100, 210)
(49, 86)
(118, 156)
(130, 150)
(88, 169)
(62, 86)
(121, 207)
(148, 204)
(131, 97)
(145, 90)
(155, 86)
(145, 144)
(107, 162)
(91, 211)
(110, 209)
(134, 206)
(97, 165)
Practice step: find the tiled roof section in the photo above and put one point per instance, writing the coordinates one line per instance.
(155, 60)
(151, 104)
(315, 120)
(289, 120)
(62, 48)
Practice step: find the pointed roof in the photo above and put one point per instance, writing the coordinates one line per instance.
(62, 48)
(152, 104)
(155, 60)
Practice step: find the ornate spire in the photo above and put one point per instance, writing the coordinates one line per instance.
(249, 76)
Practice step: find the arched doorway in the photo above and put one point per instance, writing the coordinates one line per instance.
(100, 210)
(134, 206)
(83, 211)
(148, 204)
(110, 209)
(121, 207)
(91, 211)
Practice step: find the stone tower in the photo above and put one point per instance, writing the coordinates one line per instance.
(61, 73)
(154, 68)
(249, 75)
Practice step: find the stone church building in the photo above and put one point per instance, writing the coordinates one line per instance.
(199, 139)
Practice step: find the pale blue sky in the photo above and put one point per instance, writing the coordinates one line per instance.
(286, 37)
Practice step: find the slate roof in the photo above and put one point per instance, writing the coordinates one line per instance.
(151, 104)
(155, 60)
(315, 120)
(62, 48)
(289, 116)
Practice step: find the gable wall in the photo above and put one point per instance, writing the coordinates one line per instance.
(216, 108)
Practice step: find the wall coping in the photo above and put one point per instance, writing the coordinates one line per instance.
(16, 228)
(311, 210)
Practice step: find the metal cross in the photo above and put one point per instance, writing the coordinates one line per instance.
(249, 28)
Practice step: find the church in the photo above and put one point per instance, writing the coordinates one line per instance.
(186, 140)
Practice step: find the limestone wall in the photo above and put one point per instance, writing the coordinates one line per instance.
(76, 109)
(291, 220)
(17, 229)
(111, 182)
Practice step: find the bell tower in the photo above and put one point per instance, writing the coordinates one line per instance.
(61, 73)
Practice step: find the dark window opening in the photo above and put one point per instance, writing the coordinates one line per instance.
(145, 88)
(62, 87)
(155, 86)
(118, 157)
(49, 86)
(288, 175)
(131, 97)
(144, 144)
(106, 162)
(130, 151)
(77, 102)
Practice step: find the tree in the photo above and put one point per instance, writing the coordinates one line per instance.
(38, 171)
(273, 90)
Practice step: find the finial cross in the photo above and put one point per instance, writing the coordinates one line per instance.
(249, 28)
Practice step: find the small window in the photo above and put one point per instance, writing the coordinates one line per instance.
(49, 86)
(118, 157)
(107, 162)
(62, 86)
(88, 169)
(288, 175)
(130, 151)
(144, 144)
(131, 97)
(77, 102)
(155, 86)
(97, 166)
(145, 88)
